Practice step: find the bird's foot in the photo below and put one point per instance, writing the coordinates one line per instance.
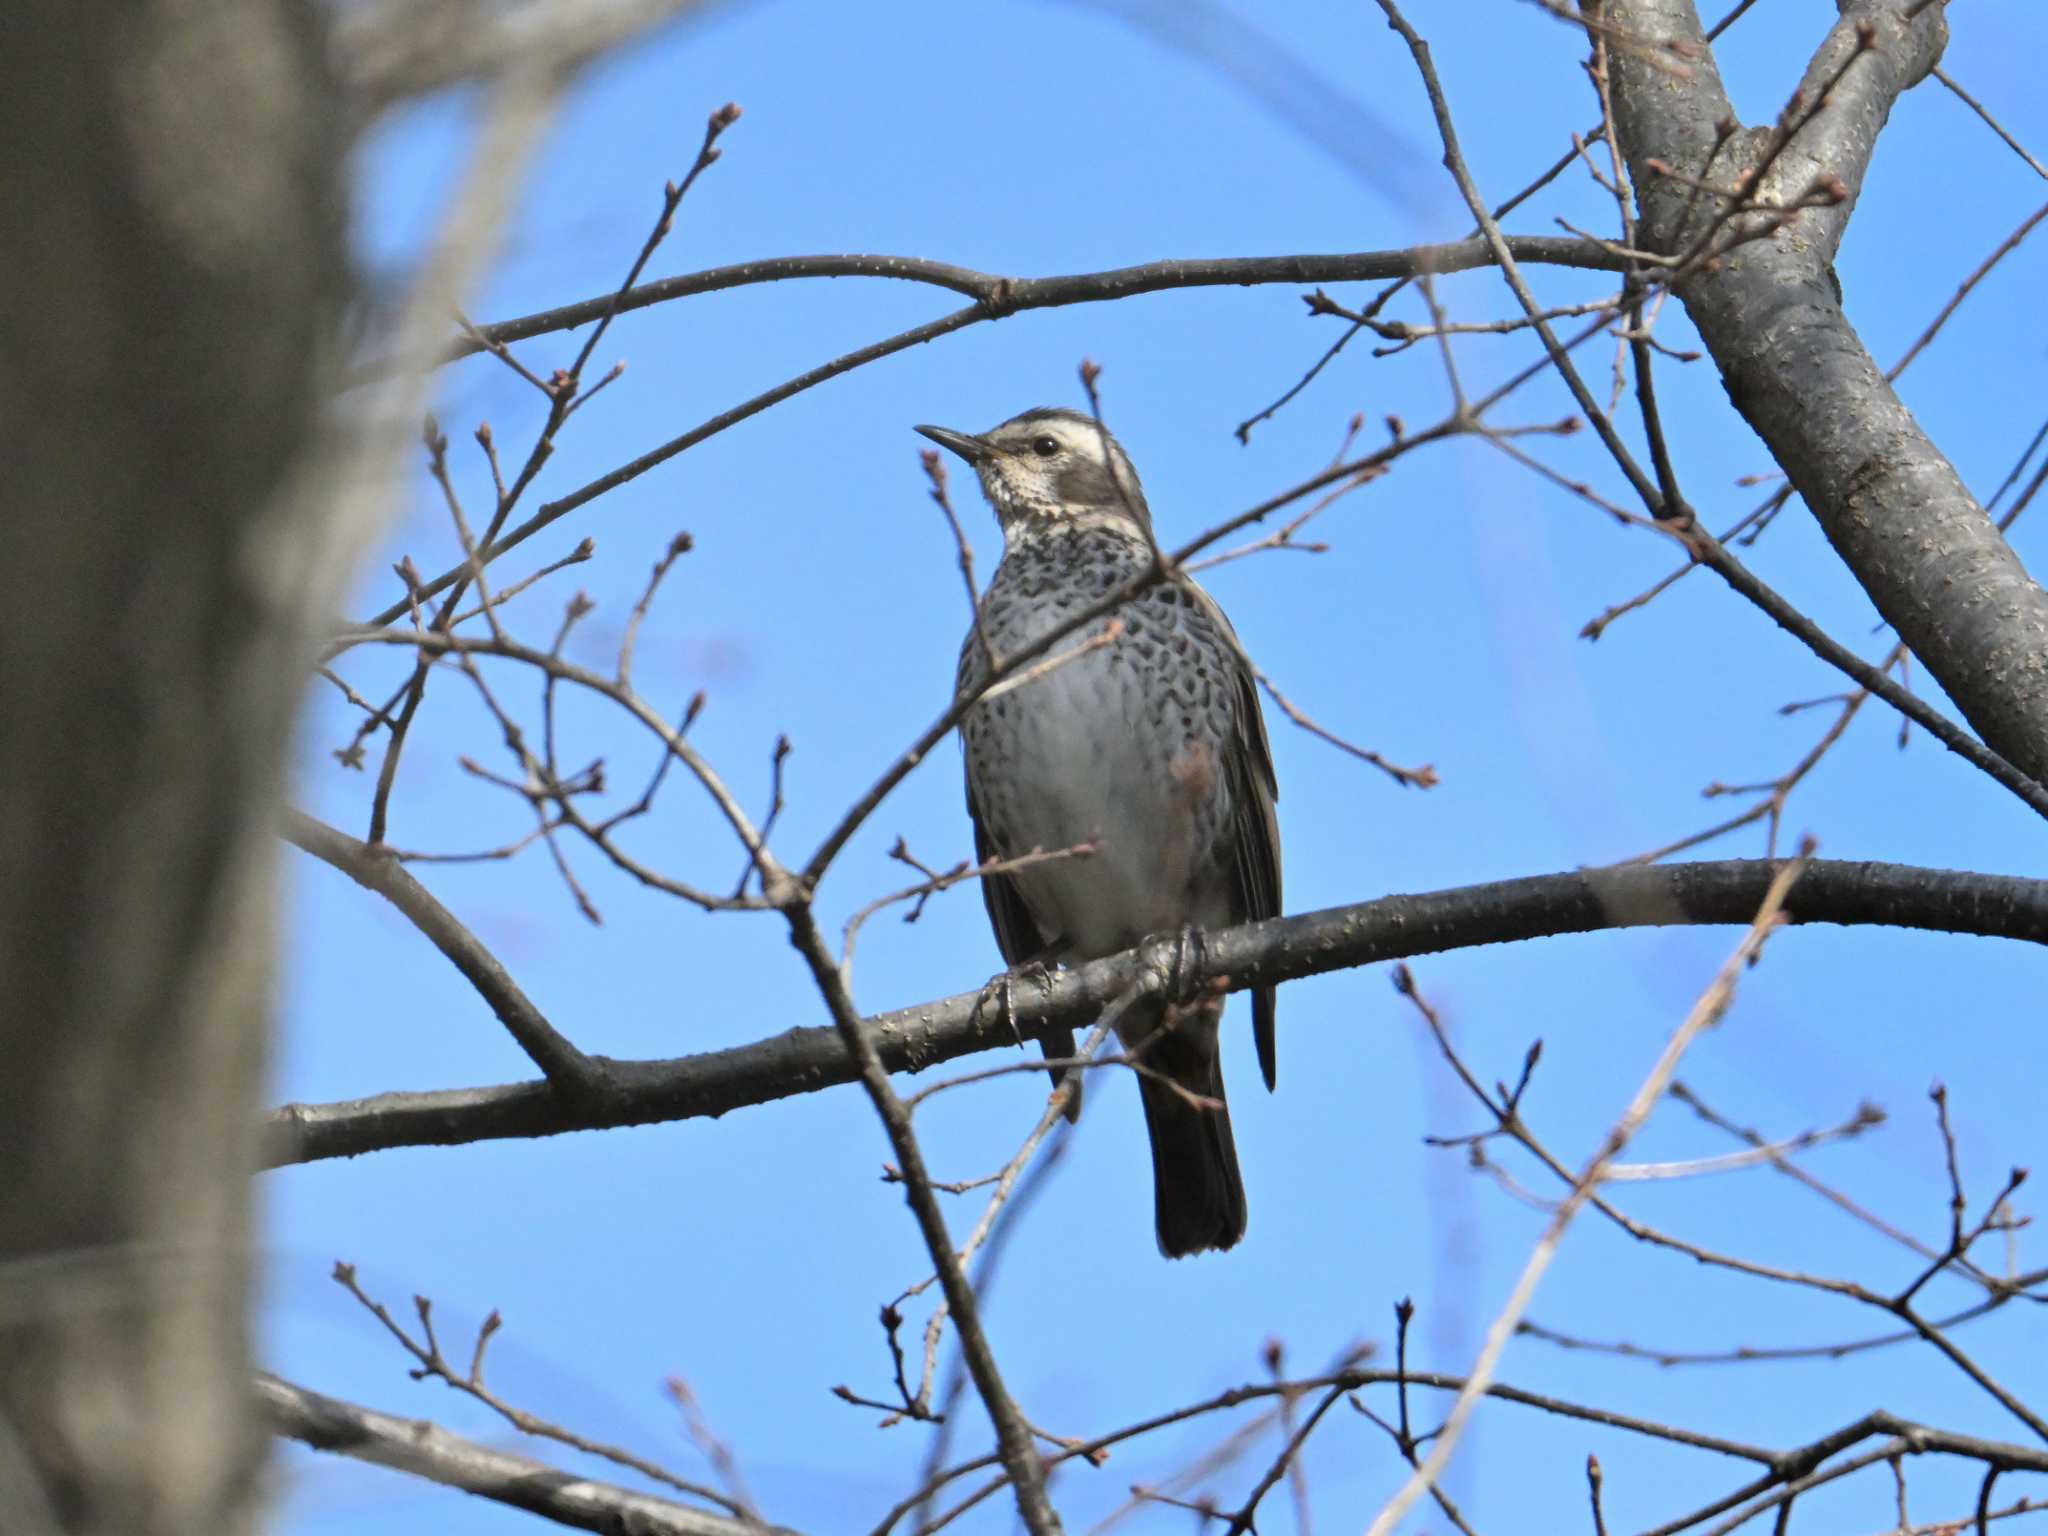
(1187, 967)
(1000, 993)
(1190, 960)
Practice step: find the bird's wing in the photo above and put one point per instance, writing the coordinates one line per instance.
(1017, 934)
(1255, 828)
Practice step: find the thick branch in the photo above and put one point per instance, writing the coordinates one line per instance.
(1257, 954)
(1891, 504)
(424, 1449)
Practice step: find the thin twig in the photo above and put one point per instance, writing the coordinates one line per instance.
(1705, 1013)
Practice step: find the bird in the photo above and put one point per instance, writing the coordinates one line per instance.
(1149, 745)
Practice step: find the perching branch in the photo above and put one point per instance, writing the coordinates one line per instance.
(1283, 949)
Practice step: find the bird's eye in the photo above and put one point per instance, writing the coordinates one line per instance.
(1045, 447)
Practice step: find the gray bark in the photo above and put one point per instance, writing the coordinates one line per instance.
(174, 267)
(804, 1060)
(1893, 507)
(428, 1451)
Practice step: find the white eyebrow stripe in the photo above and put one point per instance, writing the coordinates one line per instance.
(1071, 435)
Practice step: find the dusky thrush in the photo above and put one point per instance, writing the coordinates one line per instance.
(1152, 747)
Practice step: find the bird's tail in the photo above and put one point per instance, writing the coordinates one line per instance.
(1197, 1192)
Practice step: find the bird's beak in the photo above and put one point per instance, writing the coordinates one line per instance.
(969, 447)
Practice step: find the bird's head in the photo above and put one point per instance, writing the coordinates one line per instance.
(1051, 467)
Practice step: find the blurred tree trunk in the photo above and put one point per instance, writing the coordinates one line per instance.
(174, 265)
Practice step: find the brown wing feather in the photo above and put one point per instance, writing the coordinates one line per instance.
(1017, 936)
(1255, 833)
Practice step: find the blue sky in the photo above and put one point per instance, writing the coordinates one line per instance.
(750, 1255)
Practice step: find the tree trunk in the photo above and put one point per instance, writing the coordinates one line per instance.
(174, 258)
(1770, 313)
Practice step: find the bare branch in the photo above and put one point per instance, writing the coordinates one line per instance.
(377, 869)
(1705, 1013)
(1283, 949)
(394, 49)
(433, 1365)
(426, 1450)
(1013, 1435)
(1800, 376)
(1012, 295)
(995, 298)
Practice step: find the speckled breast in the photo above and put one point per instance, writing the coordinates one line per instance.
(1123, 746)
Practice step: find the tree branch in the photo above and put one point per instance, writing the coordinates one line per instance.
(1014, 1440)
(424, 1449)
(1704, 1015)
(1003, 296)
(376, 868)
(994, 298)
(1257, 954)
(389, 51)
(1890, 503)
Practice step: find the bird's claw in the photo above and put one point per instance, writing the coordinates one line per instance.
(1000, 993)
(1189, 966)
